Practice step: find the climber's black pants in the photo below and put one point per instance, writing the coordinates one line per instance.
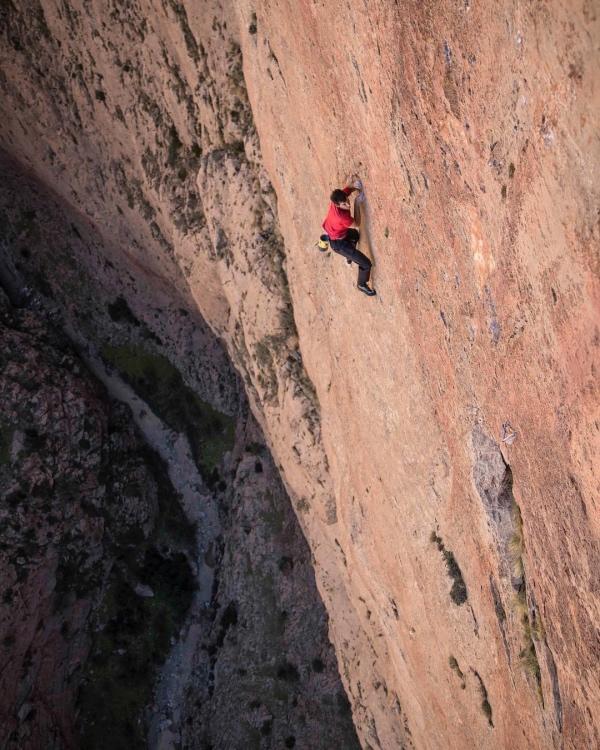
(347, 248)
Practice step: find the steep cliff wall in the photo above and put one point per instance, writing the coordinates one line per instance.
(265, 674)
(439, 441)
(473, 129)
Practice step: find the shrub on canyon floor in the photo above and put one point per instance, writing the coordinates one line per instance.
(318, 665)
(159, 383)
(6, 435)
(120, 312)
(288, 672)
(133, 638)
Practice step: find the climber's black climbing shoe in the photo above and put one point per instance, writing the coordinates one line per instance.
(366, 289)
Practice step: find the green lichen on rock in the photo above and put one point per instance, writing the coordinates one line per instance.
(160, 384)
(529, 617)
(458, 592)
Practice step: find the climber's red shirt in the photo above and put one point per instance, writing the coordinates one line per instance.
(338, 220)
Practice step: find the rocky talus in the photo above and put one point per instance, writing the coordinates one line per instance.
(166, 168)
(94, 549)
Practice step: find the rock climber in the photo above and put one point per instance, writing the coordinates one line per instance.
(342, 230)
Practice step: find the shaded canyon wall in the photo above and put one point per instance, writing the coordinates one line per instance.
(156, 588)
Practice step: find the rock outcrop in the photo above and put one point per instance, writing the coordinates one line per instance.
(265, 658)
(439, 442)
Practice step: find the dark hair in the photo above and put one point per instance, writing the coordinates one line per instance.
(338, 196)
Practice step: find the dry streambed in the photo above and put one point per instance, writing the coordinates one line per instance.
(199, 504)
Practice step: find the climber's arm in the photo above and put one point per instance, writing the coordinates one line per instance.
(357, 212)
(354, 185)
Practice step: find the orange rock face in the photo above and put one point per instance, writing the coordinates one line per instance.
(474, 133)
(441, 440)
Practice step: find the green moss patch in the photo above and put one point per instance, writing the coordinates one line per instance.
(531, 623)
(131, 633)
(455, 667)
(160, 384)
(458, 592)
(134, 639)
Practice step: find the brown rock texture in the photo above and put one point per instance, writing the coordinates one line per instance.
(97, 581)
(262, 608)
(76, 487)
(440, 442)
(265, 674)
(473, 131)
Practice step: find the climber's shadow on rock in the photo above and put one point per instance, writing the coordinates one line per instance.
(362, 220)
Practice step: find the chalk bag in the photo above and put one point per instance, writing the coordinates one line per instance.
(323, 243)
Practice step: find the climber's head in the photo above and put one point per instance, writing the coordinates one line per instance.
(340, 198)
